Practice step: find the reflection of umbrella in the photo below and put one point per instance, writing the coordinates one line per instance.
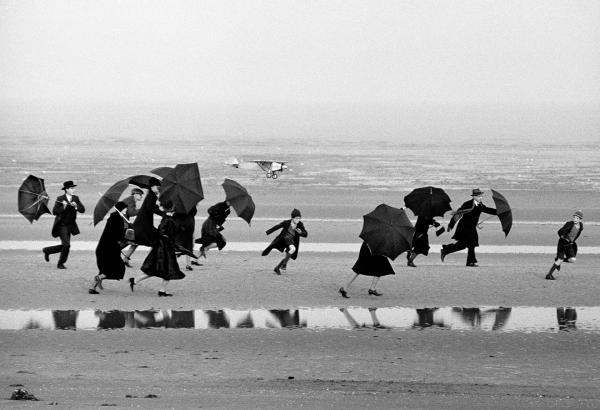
(503, 211)
(32, 198)
(239, 199)
(387, 231)
(181, 185)
(428, 201)
(112, 194)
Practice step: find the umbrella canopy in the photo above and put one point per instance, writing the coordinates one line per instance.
(32, 198)
(112, 194)
(503, 211)
(181, 185)
(428, 201)
(387, 231)
(239, 199)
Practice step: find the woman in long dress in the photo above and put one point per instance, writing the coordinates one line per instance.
(108, 251)
(368, 264)
(161, 261)
(184, 233)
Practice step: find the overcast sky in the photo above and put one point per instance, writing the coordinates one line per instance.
(348, 51)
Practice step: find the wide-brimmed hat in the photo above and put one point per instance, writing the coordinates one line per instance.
(476, 192)
(578, 213)
(68, 184)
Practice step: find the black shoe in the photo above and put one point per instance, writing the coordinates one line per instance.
(442, 254)
(61, 266)
(131, 283)
(558, 268)
(343, 292)
(196, 263)
(411, 264)
(550, 277)
(374, 292)
(127, 264)
(164, 294)
(93, 292)
(276, 270)
(472, 265)
(188, 267)
(46, 256)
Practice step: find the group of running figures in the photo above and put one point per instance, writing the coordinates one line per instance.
(174, 237)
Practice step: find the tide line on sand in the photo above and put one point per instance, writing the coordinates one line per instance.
(316, 247)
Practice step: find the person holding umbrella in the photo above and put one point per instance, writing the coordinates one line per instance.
(211, 236)
(108, 251)
(368, 264)
(566, 249)
(288, 240)
(161, 262)
(420, 245)
(466, 235)
(145, 232)
(65, 209)
(185, 223)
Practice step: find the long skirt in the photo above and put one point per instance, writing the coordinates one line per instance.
(372, 265)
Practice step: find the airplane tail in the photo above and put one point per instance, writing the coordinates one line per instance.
(233, 162)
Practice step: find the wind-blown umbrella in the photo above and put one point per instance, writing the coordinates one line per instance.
(503, 211)
(428, 201)
(181, 185)
(112, 194)
(239, 198)
(32, 198)
(387, 231)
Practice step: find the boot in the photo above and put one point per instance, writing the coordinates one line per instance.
(411, 257)
(549, 276)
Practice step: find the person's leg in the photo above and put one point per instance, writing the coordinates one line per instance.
(471, 259)
(135, 281)
(372, 289)
(65, 240)
(344, 291)
(205, 248)
(187, 263)
(555, 267)
(451, 248)
(411, 258)
(163, 289)
(127, 254)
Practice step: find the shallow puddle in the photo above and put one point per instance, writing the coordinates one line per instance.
(502, 319)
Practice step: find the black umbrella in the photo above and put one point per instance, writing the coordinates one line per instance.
(239, 198)
(428, 201)
(32, 198)
(503, 211)
(112, 194)
(387, 231)
(181, 185)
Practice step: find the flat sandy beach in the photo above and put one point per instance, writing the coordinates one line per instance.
(368, 366)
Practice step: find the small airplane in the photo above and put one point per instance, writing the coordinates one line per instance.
(271, 167)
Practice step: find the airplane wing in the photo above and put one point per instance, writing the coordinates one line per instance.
(264, 165)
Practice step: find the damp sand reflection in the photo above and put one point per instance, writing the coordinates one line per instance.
(504, 319)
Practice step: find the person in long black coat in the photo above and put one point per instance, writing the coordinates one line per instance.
(161, 261)
(184, 232)
(145, 231)
(466, 231)
(566, 249)
(65, 210)
(108, 251)
(131, 211)
(368, 264)
(420, 245)
(288, 240)
(211, 236)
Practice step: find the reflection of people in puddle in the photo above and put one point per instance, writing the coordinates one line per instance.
(114, 319)
(425, 318)
(65, 319)
(217, 319)
(471, 316)
(287, 318)
(566, 318)
(368, 264)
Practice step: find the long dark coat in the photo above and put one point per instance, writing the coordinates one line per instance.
(213, 225)
(279, 242)
(162, 261)
(108, 251)
(145, 232)
(184, 228)
(564, 248)
(368, 264)
(466, 230)
(420, 238)
(66, 216)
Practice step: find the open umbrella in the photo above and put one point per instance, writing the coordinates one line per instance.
(181, 185)
(428, 201)
(387, 231)
(32, 198)
(503, 211)
(239, 198)
(112, 194)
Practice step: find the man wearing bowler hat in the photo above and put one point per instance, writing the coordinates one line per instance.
(466, 235)
(65, 223)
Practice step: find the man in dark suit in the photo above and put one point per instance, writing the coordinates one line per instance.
(466, 231)
(65, 223)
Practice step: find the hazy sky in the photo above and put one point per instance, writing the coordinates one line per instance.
(348, 51)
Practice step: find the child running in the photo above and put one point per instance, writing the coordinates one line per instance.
(566, 249)
(288, 239)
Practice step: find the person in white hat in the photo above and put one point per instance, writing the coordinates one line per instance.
(466, 235)
(566, 249)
